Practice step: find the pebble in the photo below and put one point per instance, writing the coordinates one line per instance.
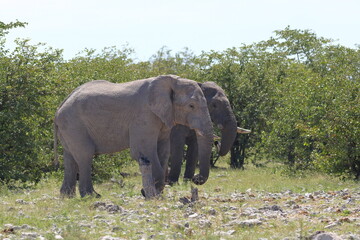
(244, 223)
(332, 225)
(223, 233)
(110, 238)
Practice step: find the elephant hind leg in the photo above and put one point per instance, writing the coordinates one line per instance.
(85, 182)
(70, 174)
(82, 150)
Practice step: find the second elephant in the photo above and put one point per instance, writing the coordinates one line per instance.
(221, 115)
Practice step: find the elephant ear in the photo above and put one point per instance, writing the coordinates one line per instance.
(161, 99)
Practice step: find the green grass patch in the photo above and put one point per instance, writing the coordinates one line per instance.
(284, 206)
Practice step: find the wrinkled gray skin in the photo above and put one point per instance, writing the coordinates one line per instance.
(102, 117)
(222, 116)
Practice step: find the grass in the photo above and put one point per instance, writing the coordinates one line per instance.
(225, 198)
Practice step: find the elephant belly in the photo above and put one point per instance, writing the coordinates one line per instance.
(110, 141)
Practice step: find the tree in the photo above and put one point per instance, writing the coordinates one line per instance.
(315, 124)
(24, 109)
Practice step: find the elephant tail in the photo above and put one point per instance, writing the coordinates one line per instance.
(56, 155)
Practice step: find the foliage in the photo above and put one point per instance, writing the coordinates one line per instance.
(25, 104)
(316, 121)
(297, 92)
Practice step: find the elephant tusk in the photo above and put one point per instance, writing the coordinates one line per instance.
(199, 133)
(243, 131)
(220, 126)
(216, 137)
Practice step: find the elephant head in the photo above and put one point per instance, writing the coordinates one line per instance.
(221, 114)
(181, 101)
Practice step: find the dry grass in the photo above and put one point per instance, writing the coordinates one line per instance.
(282, 206)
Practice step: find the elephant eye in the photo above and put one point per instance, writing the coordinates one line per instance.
(191, 106)
(214, 105)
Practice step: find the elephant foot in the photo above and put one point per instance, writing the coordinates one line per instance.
(198, 179)
(186, 179)
(66, 195)
(149, 195)
(67, 192)
(172, 183)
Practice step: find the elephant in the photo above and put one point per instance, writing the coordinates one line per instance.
(221, 115)
(101, 117)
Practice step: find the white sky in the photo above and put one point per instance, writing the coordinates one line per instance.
(200, 25)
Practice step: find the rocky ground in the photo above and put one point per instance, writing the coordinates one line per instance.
(216, 214)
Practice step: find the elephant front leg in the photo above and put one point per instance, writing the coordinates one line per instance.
(163, 150)
(85, 182)
(149, 190)
(143, 145)
(176, 156)
(191, 157)
(152, 173)
(70, 172)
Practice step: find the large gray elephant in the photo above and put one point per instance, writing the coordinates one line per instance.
(102, 117)
(222, 116)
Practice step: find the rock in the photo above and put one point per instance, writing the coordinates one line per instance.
(249, 211)
(272, 208)
(332, 225)
(212, 211)
(119, 182)
(8, 226)
(110, 207)
(230, 232)
(21, 201)
(110, 238)
(30, 235)
(184, 200)
(276, 208)
(227, 233)
(194, 215)
(244, 223)
(352, 237)
(116, 229)
(98, 204)
(86, 225)
(325, 236)
(58, 237)
(205, 223)
(25, 226)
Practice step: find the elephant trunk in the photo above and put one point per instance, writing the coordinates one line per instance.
(204, 142)
(228, 135)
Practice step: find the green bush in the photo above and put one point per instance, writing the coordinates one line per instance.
(298, 93)
(25, 126)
